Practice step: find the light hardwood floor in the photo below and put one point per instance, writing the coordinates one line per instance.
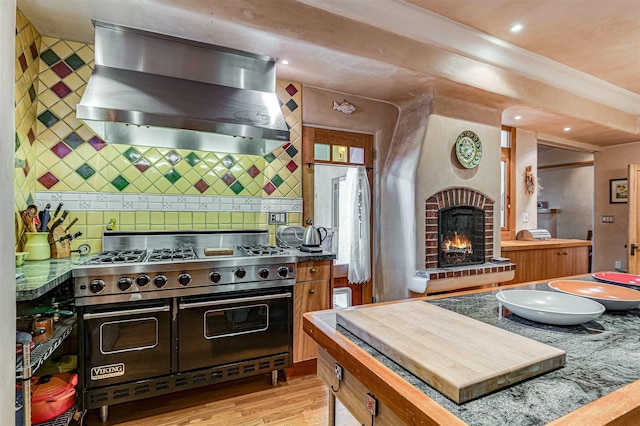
(251, 402)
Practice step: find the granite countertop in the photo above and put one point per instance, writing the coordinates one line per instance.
(37, 277)
(602, 356)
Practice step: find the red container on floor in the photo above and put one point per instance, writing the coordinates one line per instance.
(52, 396)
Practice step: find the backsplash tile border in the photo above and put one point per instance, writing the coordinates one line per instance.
(166, 202)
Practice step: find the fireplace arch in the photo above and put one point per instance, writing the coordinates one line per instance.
(456, 197)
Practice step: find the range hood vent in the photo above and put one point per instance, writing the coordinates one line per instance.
(152, 89)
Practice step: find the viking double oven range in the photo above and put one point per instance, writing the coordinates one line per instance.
(157, 315)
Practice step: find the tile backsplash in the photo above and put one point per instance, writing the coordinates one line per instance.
(58, 159)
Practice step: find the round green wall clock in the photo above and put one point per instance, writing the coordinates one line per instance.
(468, 149)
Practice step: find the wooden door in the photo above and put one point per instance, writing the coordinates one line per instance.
(337, 147)
(634, 219)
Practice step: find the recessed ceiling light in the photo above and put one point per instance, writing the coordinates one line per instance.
(566, 129)
(516, 28)
(518, 117)
(285, 62)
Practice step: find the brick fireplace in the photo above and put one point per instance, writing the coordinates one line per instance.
(464, 202)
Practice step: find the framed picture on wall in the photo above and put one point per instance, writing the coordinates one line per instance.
(618, 191)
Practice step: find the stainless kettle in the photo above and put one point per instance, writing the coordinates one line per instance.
(312, 236)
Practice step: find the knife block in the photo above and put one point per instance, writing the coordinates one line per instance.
(59, 249)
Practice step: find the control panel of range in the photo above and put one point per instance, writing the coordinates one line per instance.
(138, 280)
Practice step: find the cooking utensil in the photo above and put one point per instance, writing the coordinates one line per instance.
(83, 249)
(68, 237)
(312, 236)
(52, 396)
(73, 222)
(58, 222)
(46, 216)
(28, 220)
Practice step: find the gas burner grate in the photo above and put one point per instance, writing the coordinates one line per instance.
(172, 254)
(118, 256)
(260, 250)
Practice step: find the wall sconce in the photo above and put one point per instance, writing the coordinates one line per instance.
(344, 107)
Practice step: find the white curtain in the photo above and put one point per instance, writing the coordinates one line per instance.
(357, 216)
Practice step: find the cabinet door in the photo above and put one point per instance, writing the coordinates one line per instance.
(307, 296)
(567, 262)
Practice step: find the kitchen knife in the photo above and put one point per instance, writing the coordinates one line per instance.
(68, 237)
(57, 212)
(73, 222)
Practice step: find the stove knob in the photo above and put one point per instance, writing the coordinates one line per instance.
(160, 281)
(263, 273)
(283, 271)
(142, 280)
(215, 276)
(124, 283)
(96, 286)
(240, 272)
(184, 279)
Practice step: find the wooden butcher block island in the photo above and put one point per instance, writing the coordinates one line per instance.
(461, 357)
(395, 363)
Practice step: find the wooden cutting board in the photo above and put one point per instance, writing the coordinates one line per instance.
(460, 357)
(218, 251)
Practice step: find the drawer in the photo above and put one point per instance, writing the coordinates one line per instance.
(310, 271)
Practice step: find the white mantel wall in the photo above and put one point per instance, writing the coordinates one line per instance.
(7, 256)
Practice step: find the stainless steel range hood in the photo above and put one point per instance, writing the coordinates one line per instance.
(152, 89)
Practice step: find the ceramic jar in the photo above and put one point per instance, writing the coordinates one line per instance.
(37, 245)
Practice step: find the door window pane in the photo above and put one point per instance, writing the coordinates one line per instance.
(128, 335)
(321, 151)
(339, 153)
(356, 155)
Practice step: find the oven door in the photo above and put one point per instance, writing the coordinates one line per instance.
(123, 344)
(234, 327)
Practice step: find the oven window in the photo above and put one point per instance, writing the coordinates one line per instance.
(234, 321)
(128, 335)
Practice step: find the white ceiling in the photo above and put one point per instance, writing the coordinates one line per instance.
(576, 63)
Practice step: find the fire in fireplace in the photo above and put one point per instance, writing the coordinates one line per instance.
(461, 234)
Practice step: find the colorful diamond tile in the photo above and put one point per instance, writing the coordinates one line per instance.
(32, 93)
(73, 140)
(61, 69)
(269, 157)
(253, 171)
(31, 136)
(291, 90)
(61, 89)
(16, 145)
(172, 176)
(48, 118)
(228, 161)
(201, 186)
(74, 61)
(34, 50)
(237, 187)
(49, 57)
(228, 179)
(97, 143)
(292, 166)
(292, 151)
(286, 145)
(269, 188)
(192, 159)
(26, 168)
(132, 154)
(61, 149)
(173, 157)
(277, 180)
(142, 164)
(292, 105)
(86, 171)
(48, 180)
(23, 62)
(120, 183)
(30, 199)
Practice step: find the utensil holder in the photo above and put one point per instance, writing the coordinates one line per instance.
(37, 245)
(59, 249)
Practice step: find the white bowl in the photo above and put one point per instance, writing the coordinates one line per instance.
(550, 307)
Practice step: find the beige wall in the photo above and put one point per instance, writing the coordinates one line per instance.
(610, 238)
(526, 155)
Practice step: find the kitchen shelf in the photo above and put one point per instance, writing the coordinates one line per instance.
(44, 350)
(63, 419)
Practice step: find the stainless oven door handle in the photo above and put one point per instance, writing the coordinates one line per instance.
(227, 301)
(164, 308)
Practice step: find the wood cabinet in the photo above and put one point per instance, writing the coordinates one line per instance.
(541, 260)
(311, 293)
